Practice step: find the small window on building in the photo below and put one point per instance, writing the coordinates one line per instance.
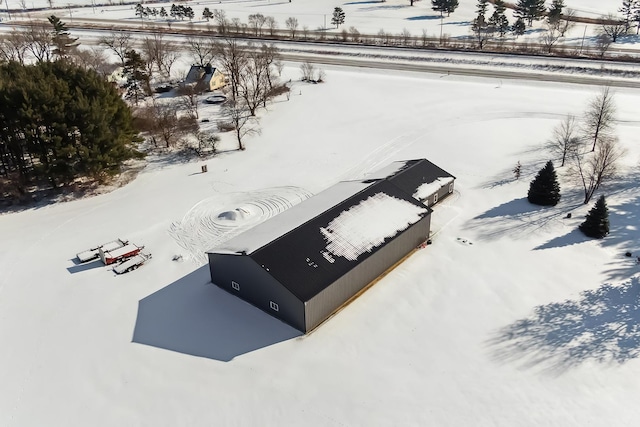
(235, 285)
(451, 188)
(435, 198)
(274, 306)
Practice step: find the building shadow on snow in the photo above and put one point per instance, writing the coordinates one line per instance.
(602, 325)
(195, 317)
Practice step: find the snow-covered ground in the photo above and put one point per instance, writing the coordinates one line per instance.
(367, 16)
(510, 318)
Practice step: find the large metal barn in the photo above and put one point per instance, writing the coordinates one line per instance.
(305, 263)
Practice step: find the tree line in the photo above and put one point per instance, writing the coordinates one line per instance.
(59, 123)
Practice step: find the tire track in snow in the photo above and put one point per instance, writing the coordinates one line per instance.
(217, 219)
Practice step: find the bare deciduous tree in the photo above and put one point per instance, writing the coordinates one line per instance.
(220, 18)
(39, 42)
(292, 25)
(599, 117)
(565, 140)
(271, 24)
(160, 52)
(602, 44)
(244, 124)
(13, 47)
(189, 95)
(119, 42)
(161, 121)
(232, 57)
(257, 77)
(550, 36)
(236, 25)
(207, 143)
(256, 22)
(201, 48)
(308, 71)
(94, 59)
(613, 26)
(593, 169)
(566, 22)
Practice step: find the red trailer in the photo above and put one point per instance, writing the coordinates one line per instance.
(119, 254)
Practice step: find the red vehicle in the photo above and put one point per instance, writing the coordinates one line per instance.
(119, 254)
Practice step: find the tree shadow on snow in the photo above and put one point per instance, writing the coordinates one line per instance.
(518, 217)
(602, 325)
(364, 2)
(423, 18)
(459, 23)
(195, 317)
(573, 237)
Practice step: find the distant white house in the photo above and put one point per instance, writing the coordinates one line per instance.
(205, 78)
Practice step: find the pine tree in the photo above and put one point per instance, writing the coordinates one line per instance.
(442, 6)
(481, 7)
(597, 222)
(544, 190)
(498, 20)
(555, 11)
(519, 27)
(531, 10)
(71, 120)
(61, 38)
(163, 12)
(338, 17)
(207, 14)
(137, 79)
(517, 170)
(627, 10)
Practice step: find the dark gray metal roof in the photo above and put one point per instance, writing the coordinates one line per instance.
(312, 256)
(312, 244)
(409, 175)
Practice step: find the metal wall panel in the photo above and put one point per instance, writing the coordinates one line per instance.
(256, 286)
(334, 296)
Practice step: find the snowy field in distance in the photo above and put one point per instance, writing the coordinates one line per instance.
(439, 341)
(393, 16)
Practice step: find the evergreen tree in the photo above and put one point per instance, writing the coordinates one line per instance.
(544, 190)
(530, 10)
(442, 6)
(163, 12)
(555, 12)
(597, 222)
(69, 120)
(207, 14)
(498, 20)
(137, 79)
(627, 10)
(519, 27)
(61, 39)
(481, 7)
(338, 17)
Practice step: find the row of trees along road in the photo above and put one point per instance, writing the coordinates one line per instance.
(59, 123)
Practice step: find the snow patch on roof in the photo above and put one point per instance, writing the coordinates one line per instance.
(277, 226)
(387, 171)
(367, 224)
(428, 188)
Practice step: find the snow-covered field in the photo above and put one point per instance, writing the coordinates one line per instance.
(510, 318)
(367, 16)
